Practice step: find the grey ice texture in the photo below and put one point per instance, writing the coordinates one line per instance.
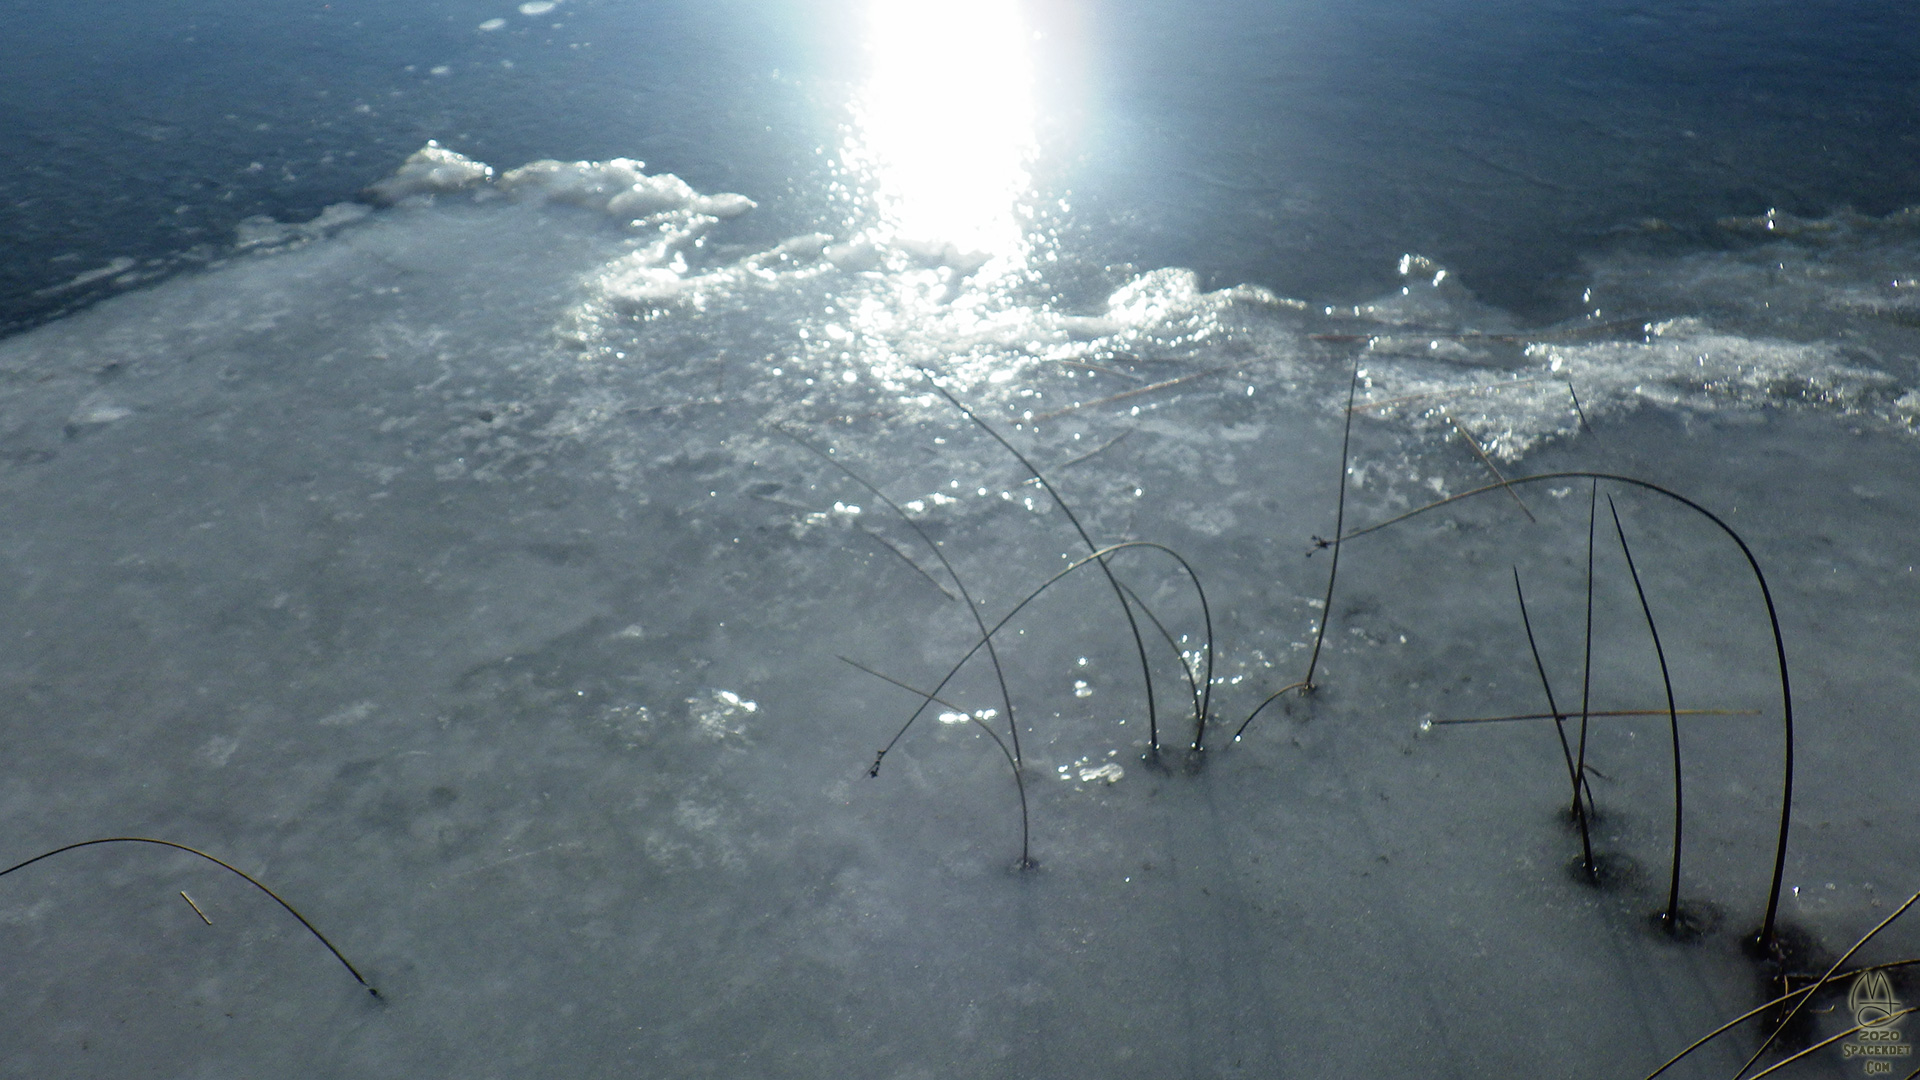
(451, 569)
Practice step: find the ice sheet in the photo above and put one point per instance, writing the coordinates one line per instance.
(455, 571)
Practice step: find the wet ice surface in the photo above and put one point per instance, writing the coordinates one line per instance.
(453, 575)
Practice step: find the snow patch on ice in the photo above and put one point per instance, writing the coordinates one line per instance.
(352, 714)
(721, 714)
(94, 411)
(116, 266)
(618, 188)
(218, 750)
(261, 232)
(431, 170)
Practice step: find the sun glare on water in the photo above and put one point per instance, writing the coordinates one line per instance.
(944, 130)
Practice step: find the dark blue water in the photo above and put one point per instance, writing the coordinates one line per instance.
(1304, 147)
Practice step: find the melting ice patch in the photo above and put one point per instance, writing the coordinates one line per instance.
(721, 714)
(660, 315)
(1088, 770)
(1681, 363)
(1434, 358)
(850, 310)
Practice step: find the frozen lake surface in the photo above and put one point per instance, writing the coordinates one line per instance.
(464, 563)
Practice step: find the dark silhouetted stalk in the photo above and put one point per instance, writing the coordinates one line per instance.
(1566, 751)
(1577, 410)
(1193, 684)
(1258, 709)
(1574, 777)
(1764, 939)
(1596, 714)
(1580, 810)
(1672, 917)
(1339, 524)
(1306, 685)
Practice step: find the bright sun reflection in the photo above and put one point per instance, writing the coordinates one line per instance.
(944, 129)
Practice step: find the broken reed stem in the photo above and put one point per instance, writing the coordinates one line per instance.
(1094, 453)
(195, 907)
(229, 867)
(1481, 453)
(1597, 714)
(1339, 524)
(973, 608)
(1019, 782)
(1764, 939)
(1569, 333)
(1824, 1043)
(1407, 399)
(1125, 394)
(903, 557)
(1672, 917)
(1139, 643)
(1577, 410)
(1102, 368)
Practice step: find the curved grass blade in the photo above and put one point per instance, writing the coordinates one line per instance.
(229, 867)
(1582, 810)
(1339, 526)
(1823, 1044)
(1574, 779)
(1764, 1007)
(1672, 918)
(1140, 645)
(1097, 557)
(1597, 713)
(1019, 782)
(973, 609)
(1193, 684)
(1270, 699)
